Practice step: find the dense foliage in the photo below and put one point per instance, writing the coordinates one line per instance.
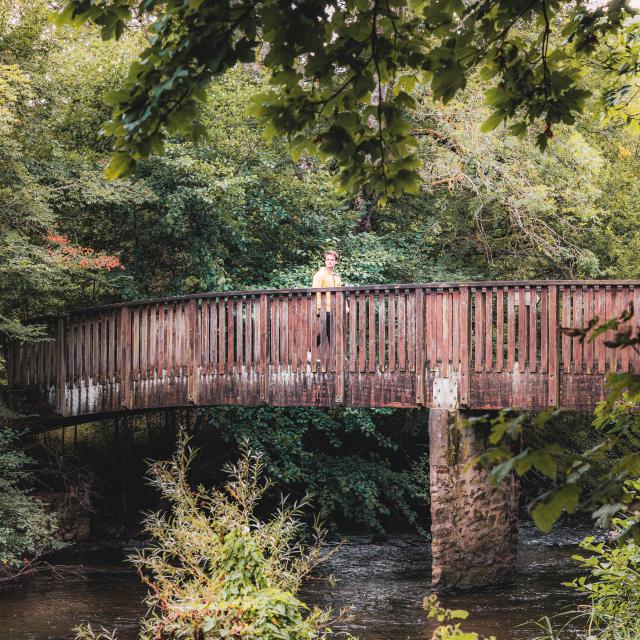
(344, 73)
(27, 528)
(612, 585)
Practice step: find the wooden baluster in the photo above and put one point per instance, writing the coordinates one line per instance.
(340, 339)
(382, 325)
(544, 330)
(61, 368)
(577, 324)
(372, 333)
(554, 359)
(411, 330)
(587, 296)
(230, 334)
(362, 332)
(533, 330)
(610, 313)
(432, 329)
(353, 332)
(195, 345)
(446, 333)
(523, 293)
(391, 332)
(455, 329)
(479, 332)
(402, 328)
(488, 315)
(511, 328)
(263, 330)
(418, 322)
(465, 344)
(248, 326)
(624, 306)
(499, 329)
(124, 349)
(566, 322)
(601, 312)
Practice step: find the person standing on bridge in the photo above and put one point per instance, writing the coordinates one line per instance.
(324, 278)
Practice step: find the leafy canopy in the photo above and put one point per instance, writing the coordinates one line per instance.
(344, 72)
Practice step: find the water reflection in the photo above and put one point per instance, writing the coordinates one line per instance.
(384, 583)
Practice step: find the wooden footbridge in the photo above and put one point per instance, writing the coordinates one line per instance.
(480, 345)
(446, 346)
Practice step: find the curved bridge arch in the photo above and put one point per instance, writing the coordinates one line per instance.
(478, 345)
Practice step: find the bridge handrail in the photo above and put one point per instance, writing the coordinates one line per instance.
(349, 288)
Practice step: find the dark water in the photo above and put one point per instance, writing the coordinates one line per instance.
(383, 583)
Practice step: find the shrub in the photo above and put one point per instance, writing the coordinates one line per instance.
(27, 530)
(214, 569)
(612, 585)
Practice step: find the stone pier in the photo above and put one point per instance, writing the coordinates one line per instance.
(474, 524)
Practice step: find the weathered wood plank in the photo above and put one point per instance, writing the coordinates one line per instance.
(576, 346)
(624, 306)
(125, 357)
(610, 312)
(554, 356)
(600, 309)
(488, 345)
(392, 330)
(499, 329)
(566, 323)
(455, 338)
(511, 328)
(381, 330)
(479, 329)
(544, 329)
(411, 330)
(523, 294)
(465, 344)
(263, 331)
(533, 330)
(340, 340)
(431, 328)
(372, 332)
(446, 331)
(362, 333)
(402, 330)
(418, 318)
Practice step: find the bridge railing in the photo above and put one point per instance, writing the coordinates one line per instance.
(487, 345)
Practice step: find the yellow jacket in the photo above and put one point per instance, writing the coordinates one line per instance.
(324, 279)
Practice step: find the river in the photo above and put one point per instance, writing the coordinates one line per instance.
(383, 583)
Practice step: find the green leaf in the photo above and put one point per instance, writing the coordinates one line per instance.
(492, 122)
(121, 165)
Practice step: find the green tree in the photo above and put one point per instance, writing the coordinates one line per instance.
(344, 73)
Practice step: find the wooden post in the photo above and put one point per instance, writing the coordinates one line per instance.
(263, 365)
(340, 347)
(124, 349)
(420, 346)
(61, 382)
(554, 352)
(194, 350)
(465, 344)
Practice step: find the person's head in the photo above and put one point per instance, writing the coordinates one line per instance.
(330, 259)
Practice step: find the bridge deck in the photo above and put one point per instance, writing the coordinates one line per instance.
(483, 345)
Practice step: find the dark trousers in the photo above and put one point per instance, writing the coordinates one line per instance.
(327, 329)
